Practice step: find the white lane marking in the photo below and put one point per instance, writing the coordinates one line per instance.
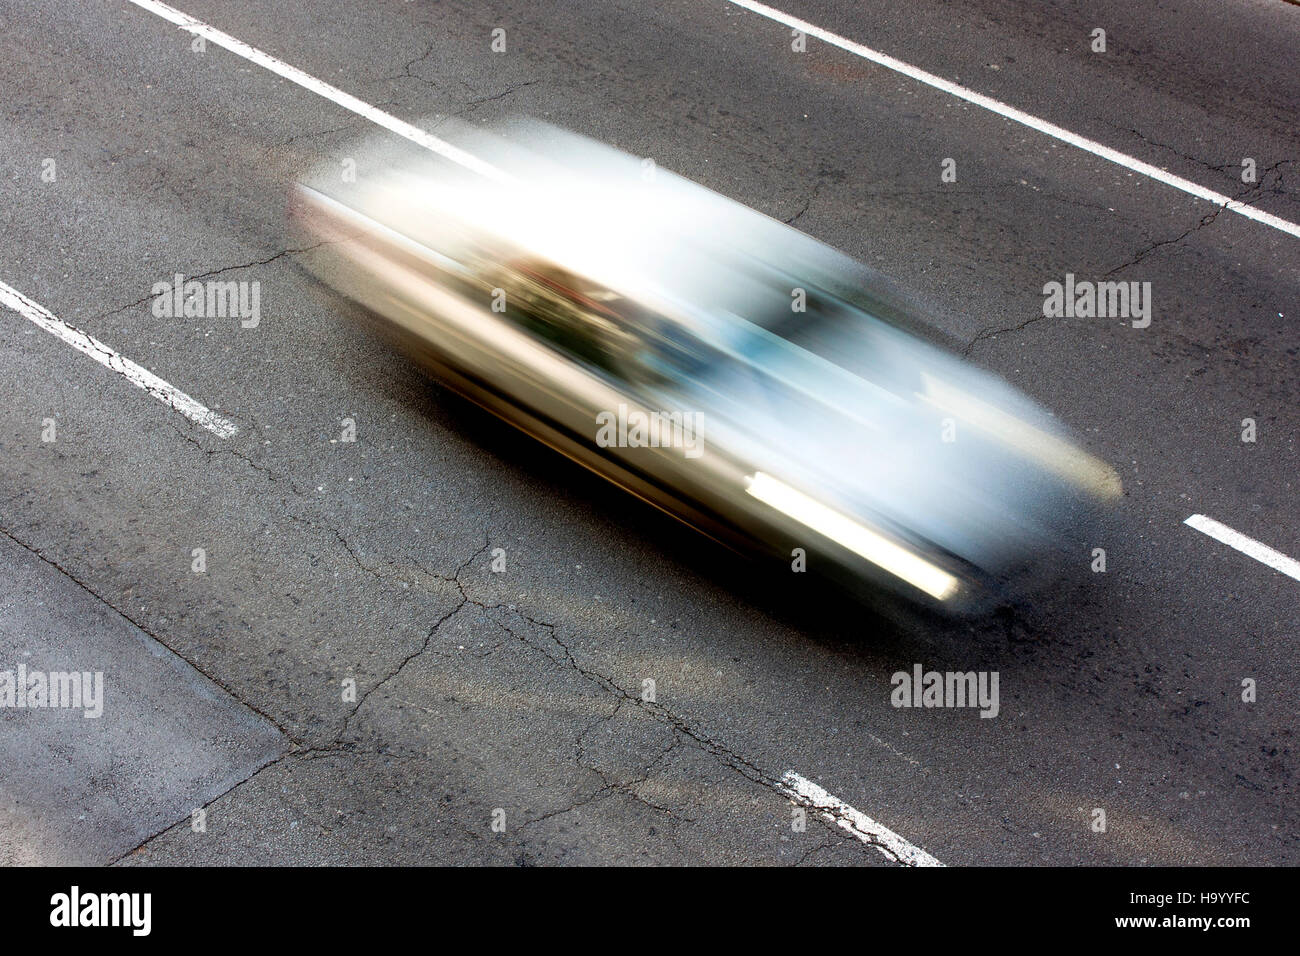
(803, 791)
(166, 393)
(320, 87)
(1249, 546)
(1018, 116)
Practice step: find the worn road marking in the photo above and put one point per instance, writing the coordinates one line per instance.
(165, 392)
(806, 793)
(1018, 116)
(1249, 546)
(321, 88)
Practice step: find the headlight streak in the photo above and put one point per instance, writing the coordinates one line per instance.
(859, 539)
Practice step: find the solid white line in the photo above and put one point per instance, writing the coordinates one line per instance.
(803, 791)
(1249, 546)
(320, 87)
(1025, 119)
(101, 353)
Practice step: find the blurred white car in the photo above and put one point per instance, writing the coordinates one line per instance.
(741, 376)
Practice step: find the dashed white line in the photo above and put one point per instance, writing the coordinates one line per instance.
(140, 377)
(1248, 546)
(1018, 116)
(806, 793)
(321, 88)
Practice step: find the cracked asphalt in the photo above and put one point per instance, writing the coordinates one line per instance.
(517, 697)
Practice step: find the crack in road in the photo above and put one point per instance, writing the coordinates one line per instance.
(993, 331)
(825, 175)
(408, 74)
(428, 637)
(1208, 219)
(216, 272)
(337, 129)
(562, 655)
(1219, 168)
(460, 112)
(720, 752)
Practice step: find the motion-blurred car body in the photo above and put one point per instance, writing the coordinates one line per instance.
(738, 374)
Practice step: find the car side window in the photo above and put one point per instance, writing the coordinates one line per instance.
(571, 314)
(667, 352)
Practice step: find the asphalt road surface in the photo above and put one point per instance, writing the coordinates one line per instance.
(501, 717)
